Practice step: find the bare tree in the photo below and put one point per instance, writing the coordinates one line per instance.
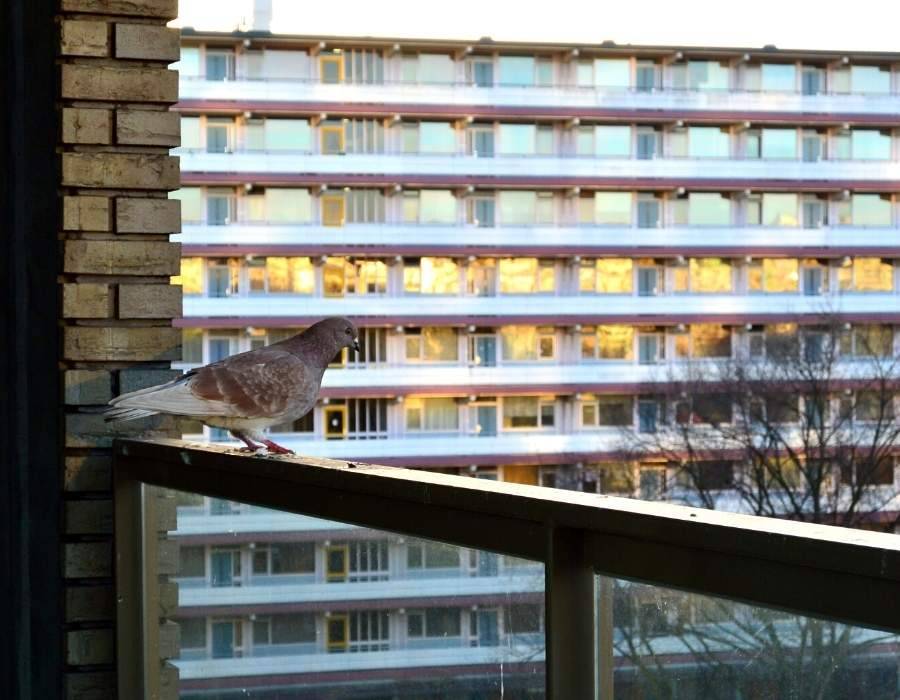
(798, 425)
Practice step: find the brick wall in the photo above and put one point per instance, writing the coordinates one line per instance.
(116, 301)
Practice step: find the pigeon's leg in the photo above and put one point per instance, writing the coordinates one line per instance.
(250, 445)
(276, 448)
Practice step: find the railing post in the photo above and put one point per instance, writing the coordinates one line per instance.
(571, 619)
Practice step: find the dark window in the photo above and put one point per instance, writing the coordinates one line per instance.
(293, 558)
(293, 629)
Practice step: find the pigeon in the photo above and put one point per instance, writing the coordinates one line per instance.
(251, 391)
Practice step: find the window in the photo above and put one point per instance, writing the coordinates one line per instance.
(779, 143)
(431, 555)
(222, 277)
(436, 207)
(646, 76)
(287, 135)
(191, 277)
(613, 141)
(431, 276)
(704, 276)
(866, 275)
(431, 344)
(527, 343)
(613, 342)
(286, 205)
(331, 68)
(481, 71)
(651, 347)
(219, 207)
(333, 209)
(650, 280)
(189, 62)
(527, 276)
(706, 75)
(649, 143)
(781, 77)
(192, 562)
(481, 277)
(284, 558)
(517, 208)
(612, 208)
(518, 139)
(709, 409)
(779, 209)
(433, 622)
(516, 70)
(431, 415)
(606, 276)
(773, 275)
(873, 80)
(219, 65)
(281, 275)
(651, 486)
(192, 631)
(192, 345)
(437, 137)
(341, 276)
(703, 340)
(649, 413)
(524, 412)
(870, 145)
(616, 477)
(293, 628)
(612, 72)
(522, 618)
(603, 411)
(648, 211)
(812, 80)
(707, 209)
(708, 142)
(867, 341)
(190, 132)
(865, 210)
(481, 141)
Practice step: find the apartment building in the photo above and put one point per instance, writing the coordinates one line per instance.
(528, 236)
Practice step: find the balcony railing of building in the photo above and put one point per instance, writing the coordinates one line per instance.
(849, 576)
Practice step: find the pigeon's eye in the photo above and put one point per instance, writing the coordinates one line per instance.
(347, 331)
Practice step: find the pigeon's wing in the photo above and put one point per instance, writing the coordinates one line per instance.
(261, 383)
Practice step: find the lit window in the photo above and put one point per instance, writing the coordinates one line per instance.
(612, 208)
(431, 344)
(524, 412)
(431, 276)
(606, 276)
(610, 342)
(704, 340)
(866, 210)
(431, 414)
(867, 341)
(611, 410)
(191, 278)
(774, 275)
(866, 275)
(527, 276)
(707, 276)
(527, 343)
(288, 275)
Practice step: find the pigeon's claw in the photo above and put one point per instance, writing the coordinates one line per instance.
(275, 448)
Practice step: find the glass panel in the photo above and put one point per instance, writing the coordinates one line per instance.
(190, 132)
(380, 600)
(735, 650)
(708, 209)
(707, 75)
(287, 135)
(517, 139)
(437, 137)
(613, 141)
(612, 208)
(287, 205)
(779, 209)
(516, 70)
(191, 204)
(779, 76)
(517, 208)
(612, 72)
(870, 210)
(870, 79)
(779, 143)
(437, 207)
(870, 145)
(435, 68)
(707, 142)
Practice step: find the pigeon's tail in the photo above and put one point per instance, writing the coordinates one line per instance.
(119, 414)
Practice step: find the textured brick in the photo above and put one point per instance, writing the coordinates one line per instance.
(148, 215)
(139, 378)
(86, 82)
(168, 682)
(90, 686)
(121, 344)
(90, 603)
(88, 559)
(84, 38)
(146, 128)
(86, 213)
(163, 9)
(122, 257)
(89, 517)
(168, 598)
(169, 637)
(90, 429)
(167, 557)
(91, 472)
(87, 300)
(87, 647)
(120, 170)
(149, 301)
(166, 512)
(86, 387)
(86, 125)
(148, 42)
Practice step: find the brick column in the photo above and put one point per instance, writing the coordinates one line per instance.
(116, 301)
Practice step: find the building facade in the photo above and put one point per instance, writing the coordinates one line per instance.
(527, 235)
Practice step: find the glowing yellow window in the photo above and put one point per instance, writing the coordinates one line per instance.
(614, 276)
(615, 342)
(332, 138)
(331, 68)
(774, 275)
(191, 277)
(333, 210)
(439, 276)
(867, 275)
(710, 275)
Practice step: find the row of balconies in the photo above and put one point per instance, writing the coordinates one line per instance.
(546, 170)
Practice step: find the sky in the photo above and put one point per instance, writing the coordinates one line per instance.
(860, 25)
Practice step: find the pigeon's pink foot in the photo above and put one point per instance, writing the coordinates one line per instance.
(250, 445)
(277, 449)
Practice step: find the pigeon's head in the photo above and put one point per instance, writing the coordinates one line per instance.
(338, 330)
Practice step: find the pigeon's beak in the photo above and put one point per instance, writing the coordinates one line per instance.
(356, 345)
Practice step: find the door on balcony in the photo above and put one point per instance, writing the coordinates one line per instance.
(337, 629)
(487, 563)
(218, 135)
(335, 422)
(484, 350)
(225, 565)
(337, 565)
(481, 141)
(333, 210)
(487, 622)
(331, 68)
(332, 136)
(226, 637)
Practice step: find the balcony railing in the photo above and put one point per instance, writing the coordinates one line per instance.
(842, 575)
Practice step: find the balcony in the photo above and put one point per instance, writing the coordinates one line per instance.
(295, 310)
(397, 238)
(271, 168)
(533, 100)
(775, 582)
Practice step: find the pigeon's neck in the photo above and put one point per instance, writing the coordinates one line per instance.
(312, 350)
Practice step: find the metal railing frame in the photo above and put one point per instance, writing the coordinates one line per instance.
(852, 576)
